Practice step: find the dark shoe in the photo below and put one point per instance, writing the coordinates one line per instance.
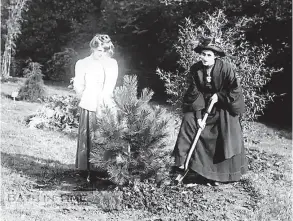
(176, 170)
(82, 173)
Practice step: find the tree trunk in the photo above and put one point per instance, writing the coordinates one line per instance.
(12, 33)
(6, 60)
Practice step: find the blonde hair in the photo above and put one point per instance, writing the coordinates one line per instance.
(104, 41)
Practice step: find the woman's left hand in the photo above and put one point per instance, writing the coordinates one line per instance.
(214, 98)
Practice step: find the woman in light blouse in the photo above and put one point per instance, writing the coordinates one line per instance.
(94, 82)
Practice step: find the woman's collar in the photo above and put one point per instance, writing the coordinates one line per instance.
(102, 58)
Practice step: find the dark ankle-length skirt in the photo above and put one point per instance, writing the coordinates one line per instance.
(208, 158)
(87, 126)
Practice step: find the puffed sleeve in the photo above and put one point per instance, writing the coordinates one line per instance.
(193, 99)
(231, 96)
(79, 79)
(111, 78)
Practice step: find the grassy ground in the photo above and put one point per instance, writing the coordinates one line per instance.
(39, 181)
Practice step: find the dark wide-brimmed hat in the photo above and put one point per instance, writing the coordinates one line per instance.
(209, 44)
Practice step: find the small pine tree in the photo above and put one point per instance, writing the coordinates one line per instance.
(129, 145)
(33, 88)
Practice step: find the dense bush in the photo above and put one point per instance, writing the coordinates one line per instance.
(58, 113)
(130, 144)
(248, 61)
(61, 66)
(144, 32)
(148, 29)
(49, 26)
(33, 88)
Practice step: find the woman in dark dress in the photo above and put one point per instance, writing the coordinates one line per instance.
(219, 155)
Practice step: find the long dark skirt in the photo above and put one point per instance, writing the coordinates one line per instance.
(87, 126)
(208, 159)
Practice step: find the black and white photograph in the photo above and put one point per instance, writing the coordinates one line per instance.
(146, 110)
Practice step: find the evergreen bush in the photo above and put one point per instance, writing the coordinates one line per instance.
(33, 88)
(131, 144)
(248, 61)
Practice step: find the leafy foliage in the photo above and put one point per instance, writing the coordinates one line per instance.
(130, 145)
(61, 66)
(144, 33)
(49, 26)
(33, 88)
(149, 29)
(58, 113)
(247, 60)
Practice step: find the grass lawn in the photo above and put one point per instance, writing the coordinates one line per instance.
(39, 181)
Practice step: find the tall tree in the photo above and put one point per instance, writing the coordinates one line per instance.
(13, 27)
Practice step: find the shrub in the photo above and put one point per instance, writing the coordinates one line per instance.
(48, 26)
(33, 88)
(59, 113)
(61, 66)
(247, 60)
(130, 144)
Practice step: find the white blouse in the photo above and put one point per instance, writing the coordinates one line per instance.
(95, 81)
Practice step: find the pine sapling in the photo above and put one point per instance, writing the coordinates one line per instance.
(33, 88)
(129, 145)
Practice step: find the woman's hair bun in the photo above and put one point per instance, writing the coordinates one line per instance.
(104, 41)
